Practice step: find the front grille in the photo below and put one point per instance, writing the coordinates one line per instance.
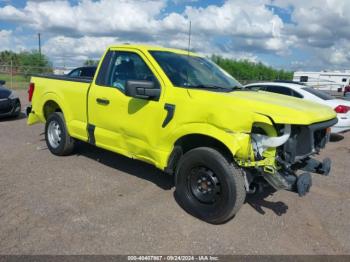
(305, 141)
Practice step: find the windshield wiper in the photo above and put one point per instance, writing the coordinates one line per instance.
(237, 88)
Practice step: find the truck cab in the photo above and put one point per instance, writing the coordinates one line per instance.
(182, 113)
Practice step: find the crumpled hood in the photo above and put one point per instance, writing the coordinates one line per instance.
(4, 92)
(282, 109)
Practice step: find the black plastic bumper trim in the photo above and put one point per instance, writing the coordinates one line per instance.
(91, 133)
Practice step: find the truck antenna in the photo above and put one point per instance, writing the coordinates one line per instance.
(188, 48)
(189, 38)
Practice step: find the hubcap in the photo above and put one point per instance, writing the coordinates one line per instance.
(204, 185)
(54, 134)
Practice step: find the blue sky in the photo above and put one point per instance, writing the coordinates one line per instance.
(290, 34)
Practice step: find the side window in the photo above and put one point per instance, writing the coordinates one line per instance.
(87, 72)
(255, 88)
(127, 66)
(296, 94)
(304, 79)
(102, 77)
(75, 73)
(279, 90)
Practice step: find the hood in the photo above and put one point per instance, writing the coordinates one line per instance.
(4, 92)
(282, 109)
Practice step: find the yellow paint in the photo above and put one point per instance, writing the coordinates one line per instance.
(133, 127)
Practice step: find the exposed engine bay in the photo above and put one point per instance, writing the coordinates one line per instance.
(295, 145)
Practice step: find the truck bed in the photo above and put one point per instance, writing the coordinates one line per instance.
(69, 93)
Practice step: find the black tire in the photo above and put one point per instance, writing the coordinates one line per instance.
(66, 144)
(17, 104)
(226, 196)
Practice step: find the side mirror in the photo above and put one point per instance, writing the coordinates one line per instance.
(142, 89)
(2, 82)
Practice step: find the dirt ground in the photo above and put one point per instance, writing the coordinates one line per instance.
(97, 202)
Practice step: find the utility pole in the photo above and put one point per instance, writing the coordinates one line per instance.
(11, 70)
(39, 42)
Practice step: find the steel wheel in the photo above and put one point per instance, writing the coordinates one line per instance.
(208, 186)
(54, 134)
(204, 185)
(58, 140)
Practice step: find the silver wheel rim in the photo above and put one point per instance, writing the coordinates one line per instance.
(54, 134)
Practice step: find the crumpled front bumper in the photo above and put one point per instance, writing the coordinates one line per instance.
(301, 184)
(291, 165)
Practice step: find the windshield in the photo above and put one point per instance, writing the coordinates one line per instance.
(318, 93)
(194, 72)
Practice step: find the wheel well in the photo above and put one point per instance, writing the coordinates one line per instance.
(51, 107)
(189, 142)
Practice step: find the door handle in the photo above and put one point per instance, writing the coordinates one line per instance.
(102, 101)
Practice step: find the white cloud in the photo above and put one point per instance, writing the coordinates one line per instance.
(105, 17)
(242, 28)
(5, 39)
(139, 20)
(245, 18)
(91, 25)
(178, 2)
(9, 41)
(72, 51)
(319, 24)
(10, 13)
(322, 29)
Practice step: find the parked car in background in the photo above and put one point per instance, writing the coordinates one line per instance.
(347, 91)
(347, 96)
(299, 90)
(10, 105)
(85, 71)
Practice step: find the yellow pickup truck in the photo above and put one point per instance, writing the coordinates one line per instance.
(185, 115)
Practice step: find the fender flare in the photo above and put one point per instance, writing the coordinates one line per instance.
(54, 98)
(50, 96)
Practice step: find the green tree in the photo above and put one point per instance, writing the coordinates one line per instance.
(247, 71)
(7, 56)
(91, 62)
(25, 63)
(34, 62)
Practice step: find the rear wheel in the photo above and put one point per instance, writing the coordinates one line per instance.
(56, 135)
(208, 186)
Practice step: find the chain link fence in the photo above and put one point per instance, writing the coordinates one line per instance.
(18, 77)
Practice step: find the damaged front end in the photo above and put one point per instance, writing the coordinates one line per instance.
(282, 156)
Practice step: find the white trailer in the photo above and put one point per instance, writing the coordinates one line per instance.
(334, 81)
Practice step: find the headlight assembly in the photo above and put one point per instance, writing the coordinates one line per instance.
(13, 95)
(261, 142)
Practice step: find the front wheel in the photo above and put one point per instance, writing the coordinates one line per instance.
(208, 186)
(56, 135)
(17, 109)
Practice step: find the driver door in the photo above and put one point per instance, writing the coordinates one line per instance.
(120, 123)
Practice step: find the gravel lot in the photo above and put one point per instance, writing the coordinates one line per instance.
(97, 202)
